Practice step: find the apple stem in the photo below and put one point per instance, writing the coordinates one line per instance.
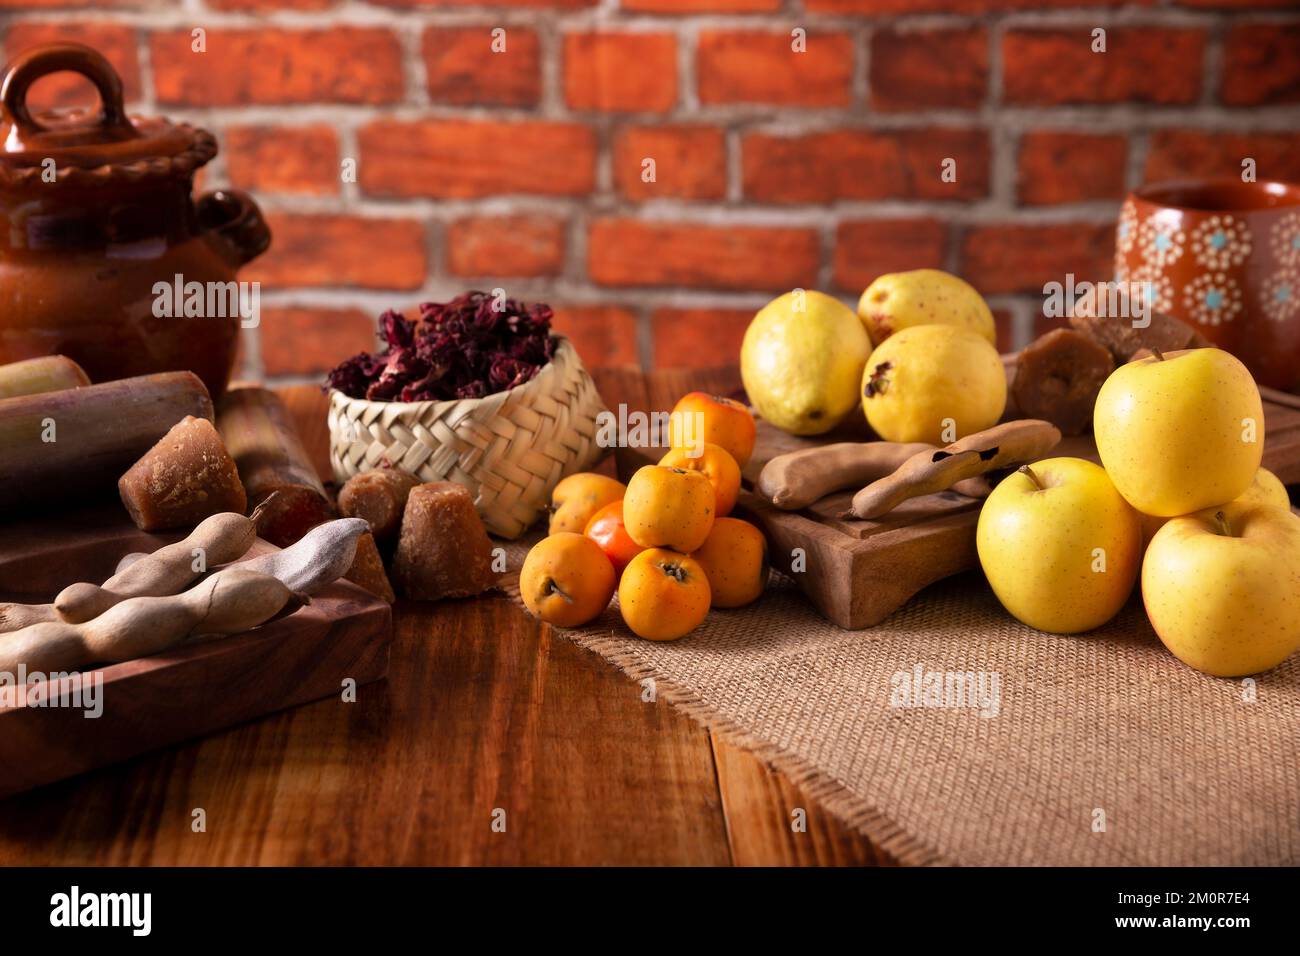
(1224, 527)
(1029, 473)
(1157, 353)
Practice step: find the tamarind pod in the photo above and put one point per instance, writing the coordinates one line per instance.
(14, 616)
(143, 626)
(798, 478)
(49, 373)
(217, 540)
(931, 471)
(128, 560)
(319, 558)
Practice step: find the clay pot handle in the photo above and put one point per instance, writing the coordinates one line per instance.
(234, 216)
(40, 61)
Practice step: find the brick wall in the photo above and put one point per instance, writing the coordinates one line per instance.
(523, 169)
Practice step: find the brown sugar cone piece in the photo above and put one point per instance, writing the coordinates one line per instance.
(443, 550)
(379, 497)
(1058, 376)
(928, 472)
(257, 429)
(368, 572)
(186, 477)
(1094, 318)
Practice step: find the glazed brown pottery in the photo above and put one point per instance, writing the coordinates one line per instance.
(97, 212)
(1224, 256)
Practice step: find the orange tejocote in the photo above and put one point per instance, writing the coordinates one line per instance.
(717, 465)
(567, 580)
(669, 508)
(715, 419)
(734, 558)
(663, 595)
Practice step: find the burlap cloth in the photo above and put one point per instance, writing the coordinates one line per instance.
(1101, 730)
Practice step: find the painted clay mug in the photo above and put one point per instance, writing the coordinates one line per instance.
(1223, 256)
(95, 213)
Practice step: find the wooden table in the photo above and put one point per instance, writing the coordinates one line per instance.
(484, 709)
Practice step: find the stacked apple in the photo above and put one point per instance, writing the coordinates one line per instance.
(1180, 437)
(664, 541)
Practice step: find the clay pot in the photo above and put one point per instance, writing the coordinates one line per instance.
(1223, 256)
(97, 211)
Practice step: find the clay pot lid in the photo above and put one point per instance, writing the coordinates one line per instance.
(88, 147)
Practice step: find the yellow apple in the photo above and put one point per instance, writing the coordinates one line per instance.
(1180, 432)
(933, 383)
(1222, 588)
(1265, 489)
(1059, 545)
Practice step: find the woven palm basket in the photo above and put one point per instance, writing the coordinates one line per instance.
(510, 449)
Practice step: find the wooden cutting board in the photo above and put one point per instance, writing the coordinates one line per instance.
(189, 691)
(858, 572)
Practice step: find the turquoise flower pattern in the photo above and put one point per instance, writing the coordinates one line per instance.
(1161, 243)
(1221, 242)
(1212, 299)
(1286, 240)
(1152, 282)
(1280, 297)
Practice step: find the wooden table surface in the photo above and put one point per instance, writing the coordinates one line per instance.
(484, 709)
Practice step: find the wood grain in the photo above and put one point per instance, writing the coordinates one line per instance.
(483, 708)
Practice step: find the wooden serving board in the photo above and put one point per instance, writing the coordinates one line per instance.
(194, 689)
(859, 572)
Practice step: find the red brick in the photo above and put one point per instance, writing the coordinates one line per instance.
(257, 6)
(506, 246)
(1023, 258)
(759, 66)
(866, 250)
(1261, 64)
(700, 6)
(305, 340)
(690, 162)
(1184, 153)
(918, 69)
(864, 164)
(115, 41)
(1237, 4)
(539, 4)
(267, 65)
(1059, 167)
(627, 252)
(620, 72)
(462, 159)
(698, 338)
(1050, 67)
(284, 159)
(464, 69)
(604, 335)
(955, 6)
(24, 5)
(331, 250)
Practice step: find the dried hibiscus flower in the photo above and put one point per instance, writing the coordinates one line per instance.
(472, 346)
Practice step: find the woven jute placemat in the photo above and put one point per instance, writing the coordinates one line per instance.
(953, 734)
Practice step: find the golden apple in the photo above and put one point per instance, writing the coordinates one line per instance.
(933, 383)
(1180, 432)
(1222, 588)
(1059, 545)
(1265, 489)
